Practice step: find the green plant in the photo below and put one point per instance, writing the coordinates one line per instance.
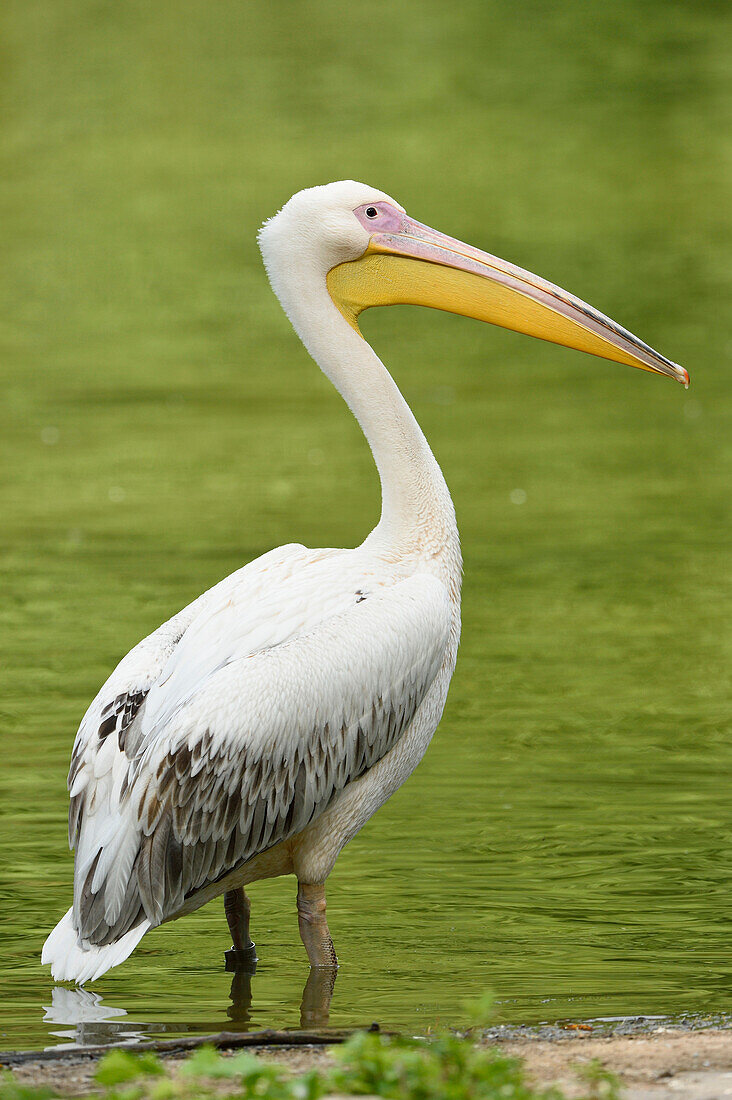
(447, 1067)
(120, 1066)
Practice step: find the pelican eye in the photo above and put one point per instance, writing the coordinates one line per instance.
(371, 212)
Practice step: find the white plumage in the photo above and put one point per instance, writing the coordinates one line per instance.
(293, 665)
(256, 731)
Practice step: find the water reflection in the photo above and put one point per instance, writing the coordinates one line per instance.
(316, 996)
(314, 1005)
(87, 1021)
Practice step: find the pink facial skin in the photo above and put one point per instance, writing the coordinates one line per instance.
(388, 219)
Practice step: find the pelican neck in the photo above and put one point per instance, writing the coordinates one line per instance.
(416, 504)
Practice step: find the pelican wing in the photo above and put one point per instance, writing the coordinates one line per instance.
(259, 748)
(110, 731)
(104, 729)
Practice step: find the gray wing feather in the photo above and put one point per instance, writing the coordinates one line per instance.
(264, 748)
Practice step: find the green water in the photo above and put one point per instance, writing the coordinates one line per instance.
(566, 841)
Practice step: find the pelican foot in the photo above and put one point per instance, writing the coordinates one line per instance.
(241, 960)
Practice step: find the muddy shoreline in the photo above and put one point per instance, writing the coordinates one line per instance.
(654, 1060)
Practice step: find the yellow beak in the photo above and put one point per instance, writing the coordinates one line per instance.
(418, 266)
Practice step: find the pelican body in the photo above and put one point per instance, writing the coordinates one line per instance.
(255, 732)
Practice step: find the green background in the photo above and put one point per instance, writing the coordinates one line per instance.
(566, 840)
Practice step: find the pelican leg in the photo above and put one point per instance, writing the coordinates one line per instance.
(314, 931)
(242, 955)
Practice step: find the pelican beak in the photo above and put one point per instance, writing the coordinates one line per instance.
(418, 266)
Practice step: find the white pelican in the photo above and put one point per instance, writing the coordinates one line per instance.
(256, 731)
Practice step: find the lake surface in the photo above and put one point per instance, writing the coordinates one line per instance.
(566, 841)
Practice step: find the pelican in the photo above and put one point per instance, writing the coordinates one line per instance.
(255, 732)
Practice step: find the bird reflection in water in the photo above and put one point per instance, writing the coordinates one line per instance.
(87, 1021)
(314, 1007)
(91, 1022)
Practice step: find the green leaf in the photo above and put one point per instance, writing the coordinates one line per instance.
(121, 1065)
(163, 1090)
(205, 1062)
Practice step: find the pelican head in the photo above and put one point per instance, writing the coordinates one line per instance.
(371, 253)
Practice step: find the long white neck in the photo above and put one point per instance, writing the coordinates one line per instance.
(417, 513)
